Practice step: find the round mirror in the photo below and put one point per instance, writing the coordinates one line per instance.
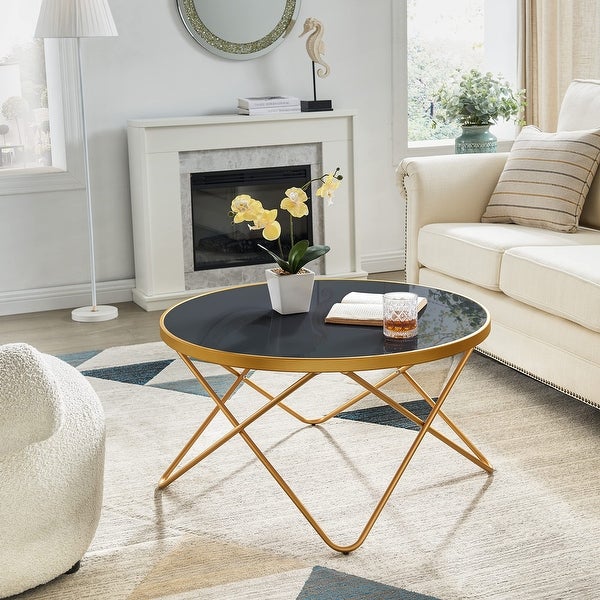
(238, 29)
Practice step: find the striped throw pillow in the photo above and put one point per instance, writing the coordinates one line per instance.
(545, 180)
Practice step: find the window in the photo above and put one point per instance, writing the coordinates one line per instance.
(441, 37)
(42, 140)
(24, 116)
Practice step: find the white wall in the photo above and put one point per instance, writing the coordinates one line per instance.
(155, 69)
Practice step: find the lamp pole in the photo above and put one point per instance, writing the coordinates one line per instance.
(77, 19)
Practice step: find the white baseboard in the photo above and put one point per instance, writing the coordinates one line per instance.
(383, 262)
(73, 296)
(66, 296)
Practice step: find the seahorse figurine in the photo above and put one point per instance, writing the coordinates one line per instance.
(314, 44)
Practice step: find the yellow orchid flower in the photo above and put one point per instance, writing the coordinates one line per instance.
(298, 253)
(295, 202)
(266, 220)
(245, 208)
(330, 184)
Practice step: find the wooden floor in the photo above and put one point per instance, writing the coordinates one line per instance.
(54, 332)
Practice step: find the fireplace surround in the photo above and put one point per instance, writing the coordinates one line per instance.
(163, 153)
(232, 160)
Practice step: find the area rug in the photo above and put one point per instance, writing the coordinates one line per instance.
(450, 531)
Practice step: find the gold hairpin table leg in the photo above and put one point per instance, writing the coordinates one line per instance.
(238, 428)
(172, 473)
(336, 411)
(475, 456)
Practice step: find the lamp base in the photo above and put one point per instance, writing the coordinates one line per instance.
(93, 314)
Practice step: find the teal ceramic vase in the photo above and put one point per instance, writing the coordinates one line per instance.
(475, 138)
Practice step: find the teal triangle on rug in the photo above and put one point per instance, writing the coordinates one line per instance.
(386, 415)
(139, 373)
(219, 383)
(77, 358)
(329, 584)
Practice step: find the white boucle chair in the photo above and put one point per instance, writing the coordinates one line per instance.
(51, 467)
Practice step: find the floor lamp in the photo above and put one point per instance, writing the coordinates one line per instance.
(77, 19)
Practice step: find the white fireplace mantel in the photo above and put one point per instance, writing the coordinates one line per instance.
(154, 162)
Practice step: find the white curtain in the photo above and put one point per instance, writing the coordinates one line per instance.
(559, 42)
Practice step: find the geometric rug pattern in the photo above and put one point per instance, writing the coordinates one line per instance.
(450, 531)
(322, 583)
(143, 373)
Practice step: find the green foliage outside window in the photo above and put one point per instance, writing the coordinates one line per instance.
(426, 73)
(442, 37)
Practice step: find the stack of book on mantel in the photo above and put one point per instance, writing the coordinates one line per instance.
(265, 105)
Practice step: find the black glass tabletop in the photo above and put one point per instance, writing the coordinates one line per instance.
(237, 327)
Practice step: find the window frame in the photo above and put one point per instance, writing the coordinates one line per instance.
(64, 101)
(401, 147)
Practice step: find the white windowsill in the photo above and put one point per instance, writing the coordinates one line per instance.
(37, 179)
(437, 147)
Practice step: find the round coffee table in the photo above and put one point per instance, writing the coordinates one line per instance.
(237, 329)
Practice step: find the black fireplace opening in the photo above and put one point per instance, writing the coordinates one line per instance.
(221, 243)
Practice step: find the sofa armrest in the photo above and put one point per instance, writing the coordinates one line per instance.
(30, 404)
(452, 188)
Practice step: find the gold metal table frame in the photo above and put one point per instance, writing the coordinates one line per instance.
(187, 351)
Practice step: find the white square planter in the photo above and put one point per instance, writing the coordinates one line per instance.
(290, 294)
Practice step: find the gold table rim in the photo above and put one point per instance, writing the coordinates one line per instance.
(321, 365)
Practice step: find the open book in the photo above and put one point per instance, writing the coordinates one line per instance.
(360, 308)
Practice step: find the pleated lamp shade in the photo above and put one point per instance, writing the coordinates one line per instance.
(75, 19)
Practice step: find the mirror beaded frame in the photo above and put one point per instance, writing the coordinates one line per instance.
(233, 50)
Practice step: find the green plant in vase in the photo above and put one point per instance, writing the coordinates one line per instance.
(245, 208)
(475, 101)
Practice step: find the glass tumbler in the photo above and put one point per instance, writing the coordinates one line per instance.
(400, 315)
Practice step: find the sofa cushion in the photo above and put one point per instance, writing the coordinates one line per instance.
(473, 251)
(590, 215)
(561, 280)
(546, 179)
(580, 109)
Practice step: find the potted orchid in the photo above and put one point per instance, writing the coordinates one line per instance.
(245, 208)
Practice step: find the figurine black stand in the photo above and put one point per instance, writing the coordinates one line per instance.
(315, 105)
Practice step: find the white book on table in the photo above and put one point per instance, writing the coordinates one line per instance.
(361, 308)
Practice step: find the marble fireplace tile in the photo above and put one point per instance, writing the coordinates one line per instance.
(202, 161)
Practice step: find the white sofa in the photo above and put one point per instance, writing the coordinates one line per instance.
(542, 287)
(51, 467)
